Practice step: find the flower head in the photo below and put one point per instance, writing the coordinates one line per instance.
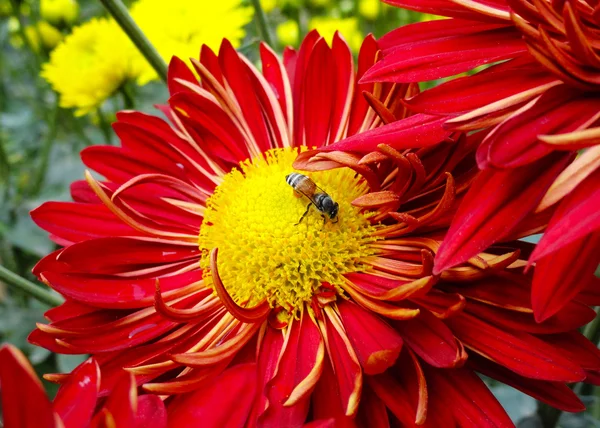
(177, 29)
(198, 268)
(24, 401)
(59, 12)
(537, 103)
(90, 65)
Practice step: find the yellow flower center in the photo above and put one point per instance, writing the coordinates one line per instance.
(251, 218)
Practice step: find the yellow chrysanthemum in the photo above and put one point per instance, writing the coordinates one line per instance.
(90, 65)
(348, 27)
(180, 28)
(269, 5)
(370, 9)
(288, 33)
(59, 11)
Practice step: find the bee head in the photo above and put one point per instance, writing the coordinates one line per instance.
(330, 208)
(334, 211)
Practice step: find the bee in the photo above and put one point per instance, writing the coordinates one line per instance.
(317, 196)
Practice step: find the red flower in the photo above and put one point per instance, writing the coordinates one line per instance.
(188, 265)
(537, 105)
(24, 401)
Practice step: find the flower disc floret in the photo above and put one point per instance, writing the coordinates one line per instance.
(263, 253)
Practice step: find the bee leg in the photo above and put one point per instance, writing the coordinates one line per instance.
(304, 215)
(336, 220)
(324, 219)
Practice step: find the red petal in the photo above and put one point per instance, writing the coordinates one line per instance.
(75, 222)
(430, 339)
(372, 410)
(121, 405)
(556, 394)
(518, 351)
(345, 364)
(471, 402)
(468, 93)
(224, 402)
(452, 8)
(455, 47)
(577, 216)
(117, 293)
(24, 401)
(76, 399)
(151, 412)
(376, 344)
(496, 202)
(298, 369)
(515, 142)
(419, 130)
(559, 277)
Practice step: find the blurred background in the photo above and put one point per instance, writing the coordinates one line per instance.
(66, 68)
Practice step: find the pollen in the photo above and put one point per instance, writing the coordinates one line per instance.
(263, 253)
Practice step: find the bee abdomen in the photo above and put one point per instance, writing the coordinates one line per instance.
(294, 179)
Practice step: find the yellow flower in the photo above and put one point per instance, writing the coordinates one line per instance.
(268, 5)
(370, 9)
(39, 35)
(288, 33)
(179, 28)
(90, 65)
(59, 11)
(348, 27)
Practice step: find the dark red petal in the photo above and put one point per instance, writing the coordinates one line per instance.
(419, 130)
(460, 46)
(520, 352)
(393, 393)
(560, 276)
(24, 401)
(270, 351)
(377, 345)
(468, 93)
(430, 339)
(496, 202)
(151, 412)
(179, 71)
(577, 347)
(224, 402)
(573, 316)
(471, 402)
(238, 79)
(577, 215)
(372, 410)
(117, 293)
(75, 222)
(450, 8)
(348, 373)
(556, 394)
(515, 141)
(298, 370)
(76, 399)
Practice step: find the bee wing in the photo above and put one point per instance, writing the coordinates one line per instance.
(307, 188)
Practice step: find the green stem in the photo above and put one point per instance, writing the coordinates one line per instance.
(46, 149)
(120, 13)
(128, 100)
(262, 23)
(28, 287)
(104, 126)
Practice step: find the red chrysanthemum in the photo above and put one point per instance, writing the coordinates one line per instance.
(538, 104)
(187, 265)
(25, 405)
